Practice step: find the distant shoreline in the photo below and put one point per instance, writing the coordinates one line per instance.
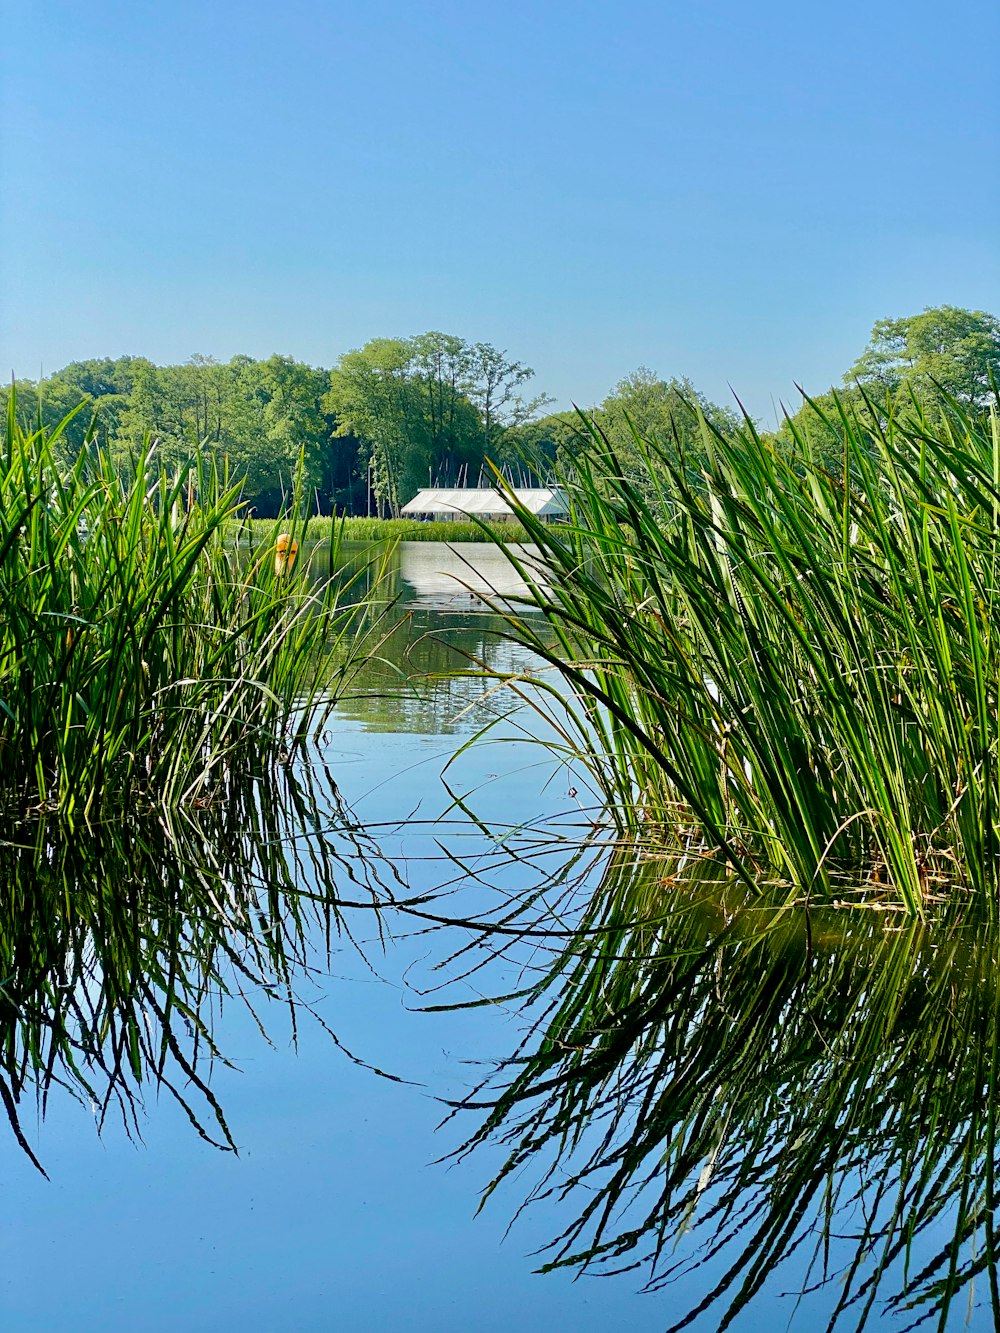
(393, 529)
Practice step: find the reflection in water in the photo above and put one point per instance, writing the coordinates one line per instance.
(762, 1101)
(414, 681)
(710, 1093)
(434, 678)
(120, 945)
(724, 1101)
(435, 576)
(456, 578)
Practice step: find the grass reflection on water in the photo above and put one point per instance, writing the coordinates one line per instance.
(724, 1093)
(121, 944)
(722, 1099)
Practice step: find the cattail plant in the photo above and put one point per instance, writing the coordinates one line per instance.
(793, 668)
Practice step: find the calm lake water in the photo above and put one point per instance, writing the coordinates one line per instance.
(338, 1212)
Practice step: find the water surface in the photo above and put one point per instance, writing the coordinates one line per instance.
(736, 1100)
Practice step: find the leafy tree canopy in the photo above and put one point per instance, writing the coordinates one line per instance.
(956, 349)
(401, 413)
(669, 410)
(427, 410)
(942, 348)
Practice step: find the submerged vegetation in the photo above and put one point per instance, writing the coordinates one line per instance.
(142, 652)
(791, 668)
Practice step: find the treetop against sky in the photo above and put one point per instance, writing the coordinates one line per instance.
(731, 193)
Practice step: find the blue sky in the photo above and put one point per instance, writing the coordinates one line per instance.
(728, 191)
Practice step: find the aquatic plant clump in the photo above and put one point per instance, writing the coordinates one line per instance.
(790, 667)
(411, 530)
(142, 650)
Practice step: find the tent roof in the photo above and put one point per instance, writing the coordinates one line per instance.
(481, 500)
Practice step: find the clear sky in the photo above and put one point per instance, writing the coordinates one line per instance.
(730, 191)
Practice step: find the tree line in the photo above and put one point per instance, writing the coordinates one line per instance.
(435, 409)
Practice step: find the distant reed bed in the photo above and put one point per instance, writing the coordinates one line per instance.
(789, 666)
(404, 529)
(141, 651)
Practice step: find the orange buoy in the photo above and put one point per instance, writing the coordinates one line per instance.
(286, 548)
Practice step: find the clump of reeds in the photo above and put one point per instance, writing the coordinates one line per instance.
(407, 530)
(792, 667)
(141, 648)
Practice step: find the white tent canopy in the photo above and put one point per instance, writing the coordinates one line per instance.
(546, 502)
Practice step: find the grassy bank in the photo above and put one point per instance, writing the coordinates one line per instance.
(793, 669)
(141, 655)
(400, 529)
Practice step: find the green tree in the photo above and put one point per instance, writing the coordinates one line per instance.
(530, 451)
(426, 409)
(673, 412)
(102, 377)
(50, 401)
(160, 404)
(258, 417)
(945, 345)
(494, 384)
(668, 409)
(448, 443)
(374, 398)
(909, 359)
(279, 405)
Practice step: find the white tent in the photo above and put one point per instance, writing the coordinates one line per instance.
(483, 502)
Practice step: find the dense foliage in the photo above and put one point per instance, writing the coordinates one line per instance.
(401, 413)
(390, 417)
(428, 411)
(254, 418)
(942, 353)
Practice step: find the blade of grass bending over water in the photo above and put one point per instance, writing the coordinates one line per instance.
(796, 669)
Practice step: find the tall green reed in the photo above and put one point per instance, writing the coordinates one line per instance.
(142, 648)
(794, 668)
(407, 530)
